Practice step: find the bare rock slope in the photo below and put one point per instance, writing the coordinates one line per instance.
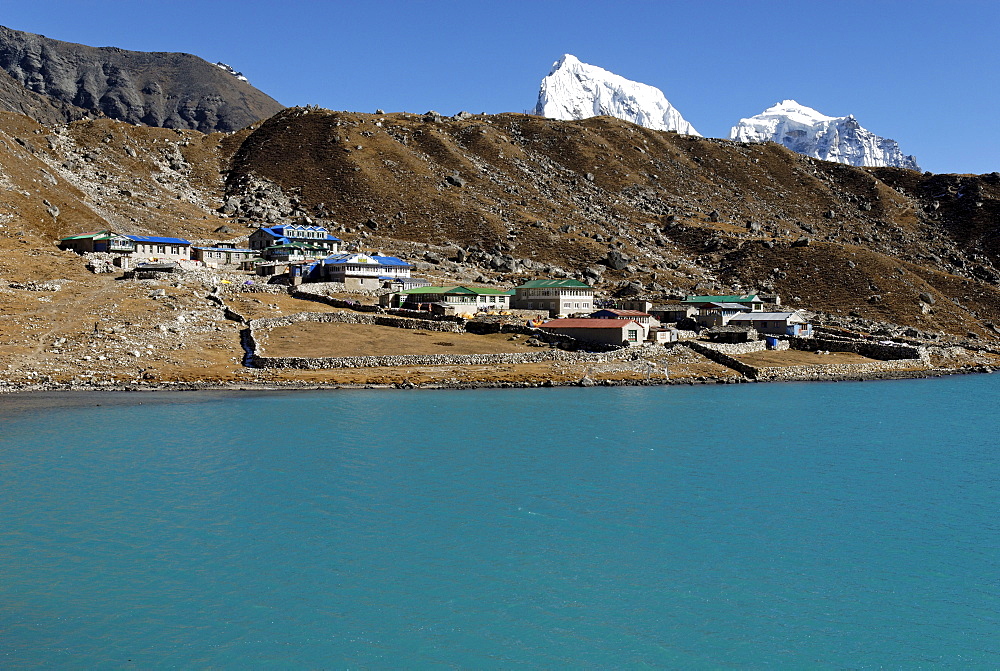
(171, 90)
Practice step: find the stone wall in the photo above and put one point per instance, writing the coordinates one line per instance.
(737, 348)
(406, 360)
(917, 361)
(352, 318)
(253, 289)
(866, 348)
(318, 297)
(721, 358)
(850, 371)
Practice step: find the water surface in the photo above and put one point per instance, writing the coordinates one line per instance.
(847, 525)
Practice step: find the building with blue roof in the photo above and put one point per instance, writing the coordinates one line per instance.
(154, 248)
(360, 271)
(289, 234)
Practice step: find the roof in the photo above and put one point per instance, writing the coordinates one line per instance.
(223, 249)
(729, 306)
(93, 234)
(479, 291)
(588, 324)
(279, 231)
(746, 298)
(622, 313)
(344, 258)
(163, 241)
(766, 316)
(542, 284)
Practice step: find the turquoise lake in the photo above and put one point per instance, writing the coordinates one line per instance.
(840, 526)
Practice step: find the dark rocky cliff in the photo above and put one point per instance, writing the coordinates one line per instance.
(169, 90)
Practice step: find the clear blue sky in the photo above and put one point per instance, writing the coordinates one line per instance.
(922, 73)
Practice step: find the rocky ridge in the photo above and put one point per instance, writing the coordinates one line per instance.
(170, 90)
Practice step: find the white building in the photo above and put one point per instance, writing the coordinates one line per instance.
(152, 248)
(559, 297)
(361, 272)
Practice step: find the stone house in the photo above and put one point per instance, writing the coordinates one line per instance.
(732, 334)
(599, 331)
(221, 256)
(559, 297)
(671, 314)
(719, 314)
(775, 323)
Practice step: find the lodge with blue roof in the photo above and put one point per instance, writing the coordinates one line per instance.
(316, 237)
(155, 248)
(362, 272)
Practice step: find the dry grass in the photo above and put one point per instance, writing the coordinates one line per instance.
(791, 357)
(318, 339)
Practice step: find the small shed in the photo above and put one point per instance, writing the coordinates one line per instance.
(732, 334)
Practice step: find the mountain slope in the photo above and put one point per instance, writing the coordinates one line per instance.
(507, 197)
(806, 131)
(170, 90)
(573, 90)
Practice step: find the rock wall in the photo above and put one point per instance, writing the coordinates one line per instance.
(406, 360)
(866, 348)
(737, 348)
(891, 358)
(352, 318)
(846, 371)
(722, 358)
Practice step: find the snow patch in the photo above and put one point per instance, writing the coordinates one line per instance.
(233, 72)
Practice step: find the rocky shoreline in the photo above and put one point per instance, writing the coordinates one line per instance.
(147, 387)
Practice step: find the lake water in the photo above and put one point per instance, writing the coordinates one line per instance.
(847, 525)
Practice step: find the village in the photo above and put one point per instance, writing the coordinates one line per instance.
(565, 324)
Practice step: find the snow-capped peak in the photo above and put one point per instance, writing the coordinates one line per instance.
(232, 71)
(575, 90)
(806, 131)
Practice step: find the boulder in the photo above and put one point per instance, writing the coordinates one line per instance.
(616, 260)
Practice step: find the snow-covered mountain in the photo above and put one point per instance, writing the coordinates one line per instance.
(575, 90)
(806, 131)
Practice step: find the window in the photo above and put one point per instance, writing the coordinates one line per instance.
(161, 249)
(633, 335)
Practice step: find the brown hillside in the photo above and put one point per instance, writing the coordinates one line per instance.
(512, 196)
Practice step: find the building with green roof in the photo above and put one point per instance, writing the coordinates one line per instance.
(462, 298)
(752, 301)
(98, 241)
(560, 297)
